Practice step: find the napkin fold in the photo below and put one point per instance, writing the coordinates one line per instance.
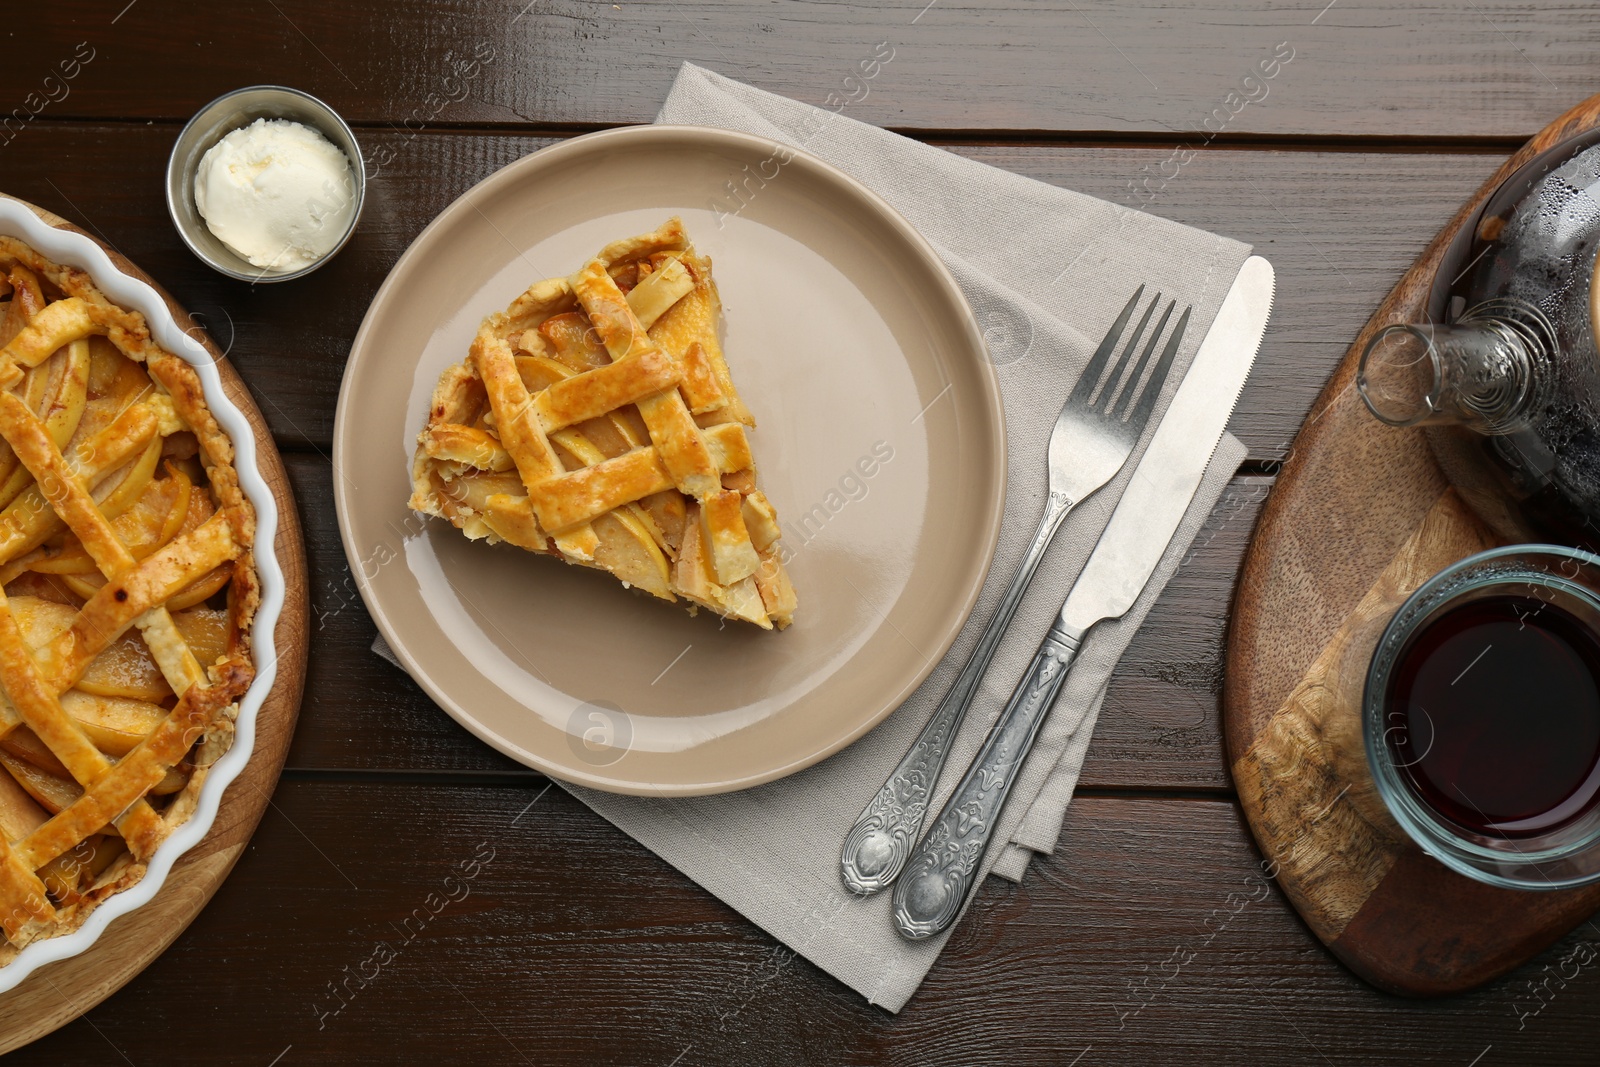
(1045, 270)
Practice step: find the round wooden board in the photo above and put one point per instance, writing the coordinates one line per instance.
(57, 993)
(1360, 516)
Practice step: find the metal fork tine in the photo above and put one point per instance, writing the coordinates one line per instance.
(1147, 400)
(1126, 398)
(1104, 401)
(1091, 373)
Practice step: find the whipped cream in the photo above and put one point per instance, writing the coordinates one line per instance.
(278, 193)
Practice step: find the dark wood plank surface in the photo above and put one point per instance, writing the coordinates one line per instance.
(573, 945)
(1442, 68)
(577, 945)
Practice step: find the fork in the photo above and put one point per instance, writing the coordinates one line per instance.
(1093, 437)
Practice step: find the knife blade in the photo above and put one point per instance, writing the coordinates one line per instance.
(942, 871)
(1169, 473)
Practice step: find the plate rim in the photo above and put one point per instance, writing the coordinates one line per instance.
(670, 134)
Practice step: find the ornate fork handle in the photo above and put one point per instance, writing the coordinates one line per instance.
(943, 870)
(876, 848)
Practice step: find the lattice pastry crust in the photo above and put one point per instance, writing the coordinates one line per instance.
(595, 420)
(127, 589)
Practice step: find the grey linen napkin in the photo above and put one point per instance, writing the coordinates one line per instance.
(1045, 270)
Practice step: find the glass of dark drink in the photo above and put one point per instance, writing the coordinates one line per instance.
(1481, 716)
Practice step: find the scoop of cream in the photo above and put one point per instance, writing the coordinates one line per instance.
(276, 192)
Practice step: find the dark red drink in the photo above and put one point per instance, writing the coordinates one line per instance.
(1493, 716)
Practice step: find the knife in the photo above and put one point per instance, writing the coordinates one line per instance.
(943, 870)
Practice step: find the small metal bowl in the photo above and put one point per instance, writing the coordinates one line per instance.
(215, 121)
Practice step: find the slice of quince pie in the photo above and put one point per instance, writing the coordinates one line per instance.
(595, 420)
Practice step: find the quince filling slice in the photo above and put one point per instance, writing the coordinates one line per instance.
(595, 420)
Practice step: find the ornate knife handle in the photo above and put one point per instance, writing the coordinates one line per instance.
(944, 868)
(876, 848)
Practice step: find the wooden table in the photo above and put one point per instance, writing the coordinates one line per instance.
(575, 945)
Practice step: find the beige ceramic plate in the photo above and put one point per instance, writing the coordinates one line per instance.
(880, 440)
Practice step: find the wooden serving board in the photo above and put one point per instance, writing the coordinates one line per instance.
(1360, 516)
(57, 993)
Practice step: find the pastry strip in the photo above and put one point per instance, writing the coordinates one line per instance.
(156, 579)
(28, 521)
(136, 773)
(672, 428)
(521, 433)
(40, 709)
(589, 492)
(27, 437)
(22, 895)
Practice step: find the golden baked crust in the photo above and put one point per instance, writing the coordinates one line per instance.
(127, 590)
(595, 420)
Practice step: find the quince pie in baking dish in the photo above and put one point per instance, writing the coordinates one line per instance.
(127, 590)
(595, 420)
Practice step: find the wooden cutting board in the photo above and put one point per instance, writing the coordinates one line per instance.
(1360, 516)
(57, 993)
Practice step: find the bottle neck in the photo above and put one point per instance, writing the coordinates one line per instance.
(1489, 371)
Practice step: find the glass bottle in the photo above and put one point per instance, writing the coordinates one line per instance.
(1507, 386)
